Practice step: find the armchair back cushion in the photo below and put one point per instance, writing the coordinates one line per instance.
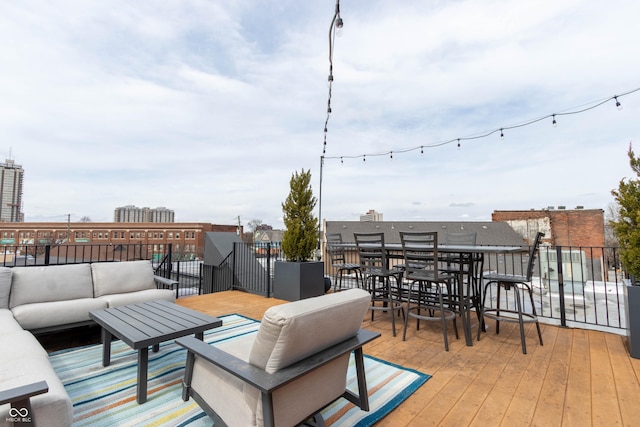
(121, 277)
(50, 283)
(291, 332)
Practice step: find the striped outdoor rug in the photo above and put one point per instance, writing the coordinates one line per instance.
(106, 396)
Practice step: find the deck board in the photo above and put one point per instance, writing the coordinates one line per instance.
(578, 377)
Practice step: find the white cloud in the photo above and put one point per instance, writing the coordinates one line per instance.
(208, 108)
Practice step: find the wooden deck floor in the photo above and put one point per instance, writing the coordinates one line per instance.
(578, 378)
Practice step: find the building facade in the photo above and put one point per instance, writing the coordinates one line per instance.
(132, 213)
(562, 227)
(187, 239)
(11, 178)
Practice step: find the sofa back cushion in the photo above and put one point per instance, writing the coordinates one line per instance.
(5, 286)
(122, 277)
(291, 332)
(50, 283)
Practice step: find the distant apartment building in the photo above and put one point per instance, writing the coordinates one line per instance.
(371, 215)
(11, 176)
(132, 213)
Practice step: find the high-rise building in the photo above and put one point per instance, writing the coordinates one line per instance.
(371, 215)
(132, 213)
(11, 192)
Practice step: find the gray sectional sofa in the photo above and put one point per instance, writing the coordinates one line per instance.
(48, 298)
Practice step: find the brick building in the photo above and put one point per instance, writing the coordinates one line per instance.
(562, 227)
(186, 237)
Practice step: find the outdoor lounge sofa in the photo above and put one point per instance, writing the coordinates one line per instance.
(289, 370)
(48, 298)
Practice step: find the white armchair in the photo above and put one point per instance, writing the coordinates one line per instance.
(293, 367)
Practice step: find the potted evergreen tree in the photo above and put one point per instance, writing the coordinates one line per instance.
(299, 277)
(627, 229)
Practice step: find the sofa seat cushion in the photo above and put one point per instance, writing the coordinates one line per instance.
(116, 300)
(50, 283)
(56, 313)
(24, 362)
(8, 323)
(5, 286)
(121, 277)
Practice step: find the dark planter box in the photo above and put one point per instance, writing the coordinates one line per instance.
(632, 313)
(294, 281)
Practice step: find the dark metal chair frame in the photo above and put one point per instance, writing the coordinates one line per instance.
(339, 261)
(424, 299)
(518, 284)
(377, 275)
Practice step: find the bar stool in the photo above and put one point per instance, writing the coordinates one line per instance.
(517, 284)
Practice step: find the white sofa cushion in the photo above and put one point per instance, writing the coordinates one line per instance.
(24, 362)
(116, 300)
(5, 286)
(56, 313)
(8, 323)
(121, 277)
(50, 283)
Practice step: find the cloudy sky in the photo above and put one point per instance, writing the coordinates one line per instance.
(208, 107)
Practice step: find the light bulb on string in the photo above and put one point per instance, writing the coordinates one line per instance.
(341, 160)
(421, 150)
(364, 158)
(554, 123)
(458, 142)
(391, 155)
(339, 26)
(501, 134)
(618, 105)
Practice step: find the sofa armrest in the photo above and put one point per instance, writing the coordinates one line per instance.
(164, 283)
(19, 398)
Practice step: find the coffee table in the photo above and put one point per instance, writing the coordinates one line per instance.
(148, 324)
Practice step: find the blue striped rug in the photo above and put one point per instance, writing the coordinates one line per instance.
(106, 396)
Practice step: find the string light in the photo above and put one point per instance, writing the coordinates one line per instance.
(618, 105)
(554, 123)
(591, 106)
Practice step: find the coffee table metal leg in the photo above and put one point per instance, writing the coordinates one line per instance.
(143, 367)
(106, 347)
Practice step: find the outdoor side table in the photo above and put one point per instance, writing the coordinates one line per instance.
(148, 324)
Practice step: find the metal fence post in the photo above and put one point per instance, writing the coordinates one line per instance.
(47, 254)
(563, 314)
(269, 270)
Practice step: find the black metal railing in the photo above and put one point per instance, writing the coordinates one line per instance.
(166, 263)
(573, 286)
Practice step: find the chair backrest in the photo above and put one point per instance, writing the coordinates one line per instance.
(371, 251)
(336, 252)
(533, 254)
(420, 251)
(461, 238)
(290, 332)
